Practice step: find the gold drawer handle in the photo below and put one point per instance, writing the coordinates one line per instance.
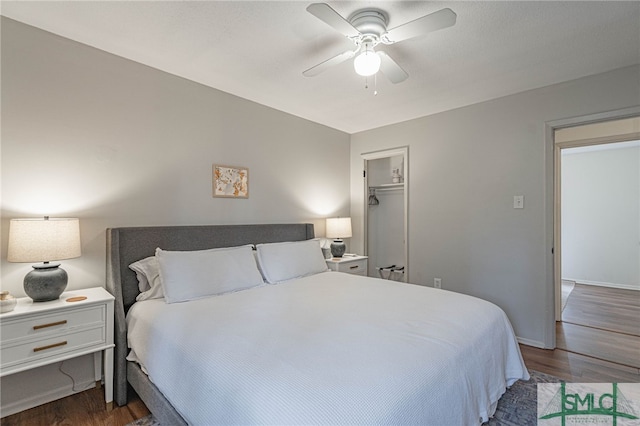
(38, 327)
(354, 267)
(55, 345)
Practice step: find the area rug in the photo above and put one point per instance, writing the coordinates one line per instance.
(567, 288)
(517, 407)
(519, 404)
(145, 421)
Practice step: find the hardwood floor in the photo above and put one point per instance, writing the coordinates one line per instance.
(82, 409)
(597, 343)
(577, 368)
(603, 323)
(598, 340)
(611, 309)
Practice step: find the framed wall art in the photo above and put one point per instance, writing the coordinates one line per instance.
(230, 181)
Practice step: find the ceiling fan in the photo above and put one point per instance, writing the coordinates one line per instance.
(367, 28)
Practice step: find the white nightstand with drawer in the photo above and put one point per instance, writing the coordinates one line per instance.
(351, 264)
(80, 322)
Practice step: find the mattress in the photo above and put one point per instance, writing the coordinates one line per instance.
(331, 348)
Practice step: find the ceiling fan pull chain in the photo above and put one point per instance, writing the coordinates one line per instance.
(375, 84)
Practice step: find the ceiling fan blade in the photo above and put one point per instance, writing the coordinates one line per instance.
(313, 71)
(391, 69)
(435, 21)
(325, 13)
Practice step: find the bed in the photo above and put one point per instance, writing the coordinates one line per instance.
(310, 346)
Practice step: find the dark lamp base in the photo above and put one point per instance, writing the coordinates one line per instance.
(46, 282)
(337, 248)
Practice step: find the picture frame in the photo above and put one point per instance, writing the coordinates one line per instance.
(230, 181)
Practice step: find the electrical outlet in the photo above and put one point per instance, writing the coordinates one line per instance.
(437, 283)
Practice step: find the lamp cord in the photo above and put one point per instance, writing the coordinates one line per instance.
(73, 382)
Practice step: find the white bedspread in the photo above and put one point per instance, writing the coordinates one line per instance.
(332, 349)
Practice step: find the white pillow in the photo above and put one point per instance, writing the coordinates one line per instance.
(188, 275)
(284, 261)
(148, 273)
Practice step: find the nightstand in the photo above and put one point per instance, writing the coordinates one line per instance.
(351, 264)
(80, 322)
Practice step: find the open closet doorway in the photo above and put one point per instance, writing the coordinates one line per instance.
(597, 240)
(385, 215)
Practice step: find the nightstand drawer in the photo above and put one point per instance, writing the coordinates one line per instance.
(44, 325)
(353, 264)
(42, 348)
(357, 267)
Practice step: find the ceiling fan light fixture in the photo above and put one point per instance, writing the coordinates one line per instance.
(367, 62)
(367, 28)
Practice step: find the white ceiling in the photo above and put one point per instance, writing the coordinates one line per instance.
(258, 50)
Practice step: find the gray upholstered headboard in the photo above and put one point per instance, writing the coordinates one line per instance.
(127, 245)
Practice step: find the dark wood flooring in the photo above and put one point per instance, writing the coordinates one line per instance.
(611, 309)
(597, 343)
(598, 340)
(577, 368)
(82, 409)
(602, 323)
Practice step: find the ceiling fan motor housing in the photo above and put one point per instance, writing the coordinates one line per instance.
(371, 23)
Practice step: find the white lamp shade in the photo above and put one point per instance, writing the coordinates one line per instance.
(339, 227)
(367, 63)
(43, 240)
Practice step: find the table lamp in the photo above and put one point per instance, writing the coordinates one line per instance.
(44, 240)
(338, 228)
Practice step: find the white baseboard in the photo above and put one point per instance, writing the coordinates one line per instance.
(43, 398)
(530, 342)
(603, 284)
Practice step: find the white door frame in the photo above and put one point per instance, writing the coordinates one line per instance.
(553, 228)
(376, 155)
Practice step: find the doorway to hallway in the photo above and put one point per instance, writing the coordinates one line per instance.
(597, 213)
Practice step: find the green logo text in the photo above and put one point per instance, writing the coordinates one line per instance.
(613, 405)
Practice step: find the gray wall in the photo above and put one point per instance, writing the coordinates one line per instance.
(115, 143)
(465, 166)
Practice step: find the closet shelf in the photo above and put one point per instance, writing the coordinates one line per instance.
(387, 186)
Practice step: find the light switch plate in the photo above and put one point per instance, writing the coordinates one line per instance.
(518, 201)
